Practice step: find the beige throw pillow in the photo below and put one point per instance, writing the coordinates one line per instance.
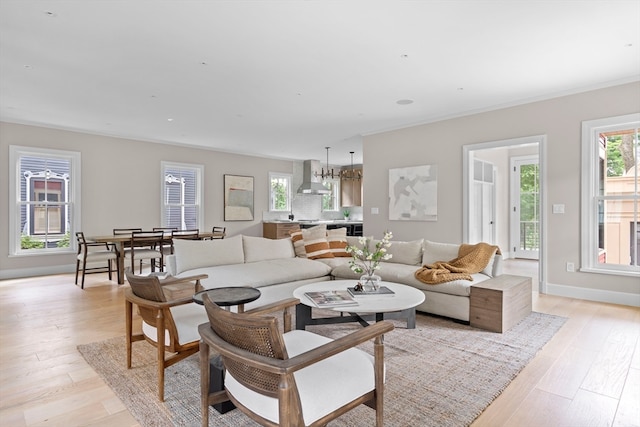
(298, 243)
(337, 239)
(316, 244)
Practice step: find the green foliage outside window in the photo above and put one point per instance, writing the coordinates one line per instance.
(620, 154)
(64, 242)
(28, 242)
(279, 195)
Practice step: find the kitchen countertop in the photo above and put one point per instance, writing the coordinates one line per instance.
(318, 221)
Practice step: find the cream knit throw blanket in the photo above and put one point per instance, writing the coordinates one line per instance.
(471, 259)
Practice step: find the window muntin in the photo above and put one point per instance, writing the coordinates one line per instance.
(331, 201)
(45, 194)
(610, 200)
(182, 196)
(280, 192)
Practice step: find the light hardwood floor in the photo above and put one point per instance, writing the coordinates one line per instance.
(587, 375)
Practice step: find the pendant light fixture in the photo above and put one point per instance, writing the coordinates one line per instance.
(329, 173)
(351, 174)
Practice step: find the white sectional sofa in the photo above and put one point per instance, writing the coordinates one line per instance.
(270, 265)
(273, 267)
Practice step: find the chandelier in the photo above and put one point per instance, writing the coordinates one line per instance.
(329, 173)
(351, 174)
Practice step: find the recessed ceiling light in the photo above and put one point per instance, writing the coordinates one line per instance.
(404, 56)
(169, 120)
(27, 66)
(50, 14)
(460, 88)
(404, 101)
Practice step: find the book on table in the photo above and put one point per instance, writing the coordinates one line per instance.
(382, 291)
(325, 299)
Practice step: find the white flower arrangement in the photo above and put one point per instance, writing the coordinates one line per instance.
(365, 260)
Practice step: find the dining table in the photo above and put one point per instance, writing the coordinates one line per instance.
(120, 241)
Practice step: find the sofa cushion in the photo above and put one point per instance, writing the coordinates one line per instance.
(262, 273)
(405, 274)
(337, 239)
(435, 251)
(316, 244)
(409, 253)
(190, 254)
(263, 249)
(298, 243)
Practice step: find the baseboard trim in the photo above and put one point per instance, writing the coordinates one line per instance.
(19, 273)
(599, 295)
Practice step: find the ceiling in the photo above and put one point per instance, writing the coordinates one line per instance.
(285, 79)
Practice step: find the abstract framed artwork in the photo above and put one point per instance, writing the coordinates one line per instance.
(413, 193)
(238, 198)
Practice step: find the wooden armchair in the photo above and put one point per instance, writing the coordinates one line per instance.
(295, 378)
(170, 326)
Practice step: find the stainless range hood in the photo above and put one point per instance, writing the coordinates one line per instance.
(311, 184)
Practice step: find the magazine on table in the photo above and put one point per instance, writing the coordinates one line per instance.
(324, 299)
(382, 291)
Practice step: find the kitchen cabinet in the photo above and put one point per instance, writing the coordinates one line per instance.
(278, 230)
(351, 192)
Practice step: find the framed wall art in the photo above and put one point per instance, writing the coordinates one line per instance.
(413, 193)
(238, 198)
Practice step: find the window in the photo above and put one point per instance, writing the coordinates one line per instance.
(182, 196)
(331, 201)
(279, 192)
(610, 201)
(45, 200)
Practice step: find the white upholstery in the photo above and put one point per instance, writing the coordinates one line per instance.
(187, 318)
(323, 387)
(96, 256)
(190, 254)
(261, 249)
(263, 273)
(409, 253)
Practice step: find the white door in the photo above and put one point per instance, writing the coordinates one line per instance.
(525, 207)
(482, 227)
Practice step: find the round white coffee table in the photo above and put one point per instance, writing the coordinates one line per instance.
(402, 305)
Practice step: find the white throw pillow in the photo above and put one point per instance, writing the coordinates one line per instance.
(434, 252)
(191, 254)
(263, 249)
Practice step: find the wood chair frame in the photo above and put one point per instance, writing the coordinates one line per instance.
(261, 366)
(148, 295)
(83, 249)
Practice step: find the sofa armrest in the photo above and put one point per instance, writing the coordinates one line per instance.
(497, 265)
(170, 264)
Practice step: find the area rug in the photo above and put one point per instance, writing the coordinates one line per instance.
(440, 374)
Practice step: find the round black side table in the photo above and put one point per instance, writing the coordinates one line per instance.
(228, 296)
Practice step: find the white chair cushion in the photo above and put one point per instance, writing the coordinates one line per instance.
(323, 387)
(187, 318)
(98, 256)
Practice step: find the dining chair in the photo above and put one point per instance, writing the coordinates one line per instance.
(169, 325)
(290, 378)
(146, 245)
(218, 232)
(93, 252)
(167, 244)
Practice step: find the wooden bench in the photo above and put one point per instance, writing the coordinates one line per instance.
(499, 303)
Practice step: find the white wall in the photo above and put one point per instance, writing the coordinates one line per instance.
(441, 143)
(121, 186)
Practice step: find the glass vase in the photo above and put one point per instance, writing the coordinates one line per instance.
(370, 282)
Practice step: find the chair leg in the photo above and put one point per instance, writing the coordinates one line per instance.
(110, 267)
(77, 270)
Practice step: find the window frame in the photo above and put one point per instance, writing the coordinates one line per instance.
(199, 173)
(74, 218)
(334, 195)
(289, 178)
(590, 193)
